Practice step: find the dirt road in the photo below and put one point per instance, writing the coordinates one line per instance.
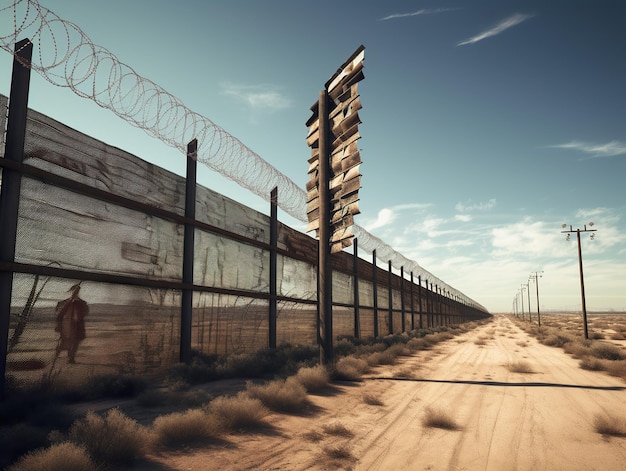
(539, 420)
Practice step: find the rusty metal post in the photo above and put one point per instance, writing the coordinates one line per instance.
(325, 299)
(412, 304)
(11, 184)
(355, 274)
(419, 300)
(273, 267)
(186, 310)
(402, 302)
(375, 291)
(389, 280)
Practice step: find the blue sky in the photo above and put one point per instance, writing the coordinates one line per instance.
(486, 124)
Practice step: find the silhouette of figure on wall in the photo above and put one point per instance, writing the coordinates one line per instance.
(71, 313)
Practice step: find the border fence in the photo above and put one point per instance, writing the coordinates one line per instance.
(164, 266)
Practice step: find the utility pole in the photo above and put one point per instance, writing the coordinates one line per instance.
(521, 296)
(535, 276)
(580, 266)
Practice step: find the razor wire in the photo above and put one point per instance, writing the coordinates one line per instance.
(66, 57)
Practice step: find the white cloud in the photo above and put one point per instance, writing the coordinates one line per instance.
(257, 97)
(469, 206)
(610, 149)
(385, 217)
(429, 11)
(499, 28)
(463, 217)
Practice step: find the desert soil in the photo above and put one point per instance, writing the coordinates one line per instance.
(542, 420)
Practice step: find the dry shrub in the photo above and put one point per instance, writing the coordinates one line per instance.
(480, 341)
(238, 412)
(612, 426)
(555, 339)
(522, 343)
(338, 452)
(369, 398)
(60, 457)
(313, 436)
(591, 364)
(520, 367)
(617, 336)
(381, 358)
(279, 395)
(577, 349)
(416, 344)
(350, 368)
(112, 439)
(607, 351)
(439, 418)
(185, 428)
(337, 429)
(314, 378)
(615, 368)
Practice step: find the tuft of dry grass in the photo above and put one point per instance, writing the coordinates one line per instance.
(238, 412)
(64, 456)
(480, 341)
(113, 439)
(337, 429)
(607, 351)
(279, 395)
(350, 368)
(520, 367)
(372, 400)
(439, 418)
(313, 436)
(314, 378)
(612, 426)
(591, 364)
(338, 452)
(193, 426)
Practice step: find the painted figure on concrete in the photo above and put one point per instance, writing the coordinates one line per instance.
(71, 313)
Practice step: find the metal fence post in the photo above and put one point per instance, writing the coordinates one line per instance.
(375, 291)
(355, 274)
(11, 184)
(412, 304)
(402, 301)
(389, 280)
(273, 266)
(186, 312)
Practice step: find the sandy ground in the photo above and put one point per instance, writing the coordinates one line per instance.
(506, 421)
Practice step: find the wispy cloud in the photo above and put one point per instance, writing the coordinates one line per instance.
(386, 216)
(499, 28)
(428, 11)
(610, 149)
(469, 206)
(257, 97)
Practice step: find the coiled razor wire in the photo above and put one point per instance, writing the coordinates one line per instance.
(66, 57)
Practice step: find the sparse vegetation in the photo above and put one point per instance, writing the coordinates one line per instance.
(595, 354)
(350, 368)
(612, 426)
(238, 412)
(372, 400)
(338, 452)
(280, 395)
(439, 418)
(60, 457)
(112, 439)
(520, 367)
(313, 378)
(191, 427)
(337, 429)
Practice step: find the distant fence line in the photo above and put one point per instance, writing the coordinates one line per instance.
(68, 58)
(93, 214)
